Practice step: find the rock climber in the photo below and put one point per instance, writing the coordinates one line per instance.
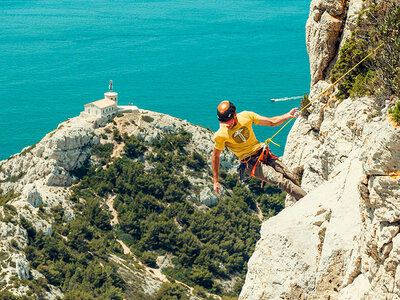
(237, 134)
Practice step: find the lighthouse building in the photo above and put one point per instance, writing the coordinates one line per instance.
(107, 107)
(103, 107)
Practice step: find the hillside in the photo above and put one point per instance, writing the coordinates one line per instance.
(125, 209)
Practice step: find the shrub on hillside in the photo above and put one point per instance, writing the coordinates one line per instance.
(134, 147)
(196, 161)
(116, 135)
(171, 291)
(7, 197)
(380, 73)
(102, 151)
(304, 108)
(147, 119)
(396, 113)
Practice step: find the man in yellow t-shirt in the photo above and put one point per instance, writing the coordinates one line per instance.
(237, 134)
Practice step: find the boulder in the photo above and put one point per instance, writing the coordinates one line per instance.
(31, 195)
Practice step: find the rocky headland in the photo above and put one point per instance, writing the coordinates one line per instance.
(40, 178)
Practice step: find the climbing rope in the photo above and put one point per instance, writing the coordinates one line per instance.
(267, 141)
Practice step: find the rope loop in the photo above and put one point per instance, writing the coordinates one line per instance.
(267, 141)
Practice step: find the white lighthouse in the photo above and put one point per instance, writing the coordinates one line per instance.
(104, 107)
(107, 107)
(110, 95)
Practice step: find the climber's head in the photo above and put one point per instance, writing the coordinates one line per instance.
(226, 113)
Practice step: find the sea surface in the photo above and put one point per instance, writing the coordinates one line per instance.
(179, 57)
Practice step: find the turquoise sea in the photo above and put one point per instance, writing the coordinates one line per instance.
(180, 57)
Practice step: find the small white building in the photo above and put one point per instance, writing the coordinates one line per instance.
(103, 107)
(108, 106)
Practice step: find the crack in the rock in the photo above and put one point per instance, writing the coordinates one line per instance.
(330, 64)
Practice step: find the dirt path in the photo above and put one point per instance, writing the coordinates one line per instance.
(118, 148)
(154, 272)
(114, 213)
(259, 212)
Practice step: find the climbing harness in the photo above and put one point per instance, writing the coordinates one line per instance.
(267, 141)
(261, 155)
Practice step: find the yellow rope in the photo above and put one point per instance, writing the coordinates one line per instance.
(267, 141)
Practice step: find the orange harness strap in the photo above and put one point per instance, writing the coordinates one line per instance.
(260, 158)
(264, 154)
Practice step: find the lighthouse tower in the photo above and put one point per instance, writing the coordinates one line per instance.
(110, 95)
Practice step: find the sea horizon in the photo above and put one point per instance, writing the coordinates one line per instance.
(175, 57)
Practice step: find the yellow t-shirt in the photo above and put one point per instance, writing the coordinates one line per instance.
(241, 139)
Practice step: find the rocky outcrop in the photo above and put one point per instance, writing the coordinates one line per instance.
(299, 248)
(341, 241)
(61, 151)
(329, 24)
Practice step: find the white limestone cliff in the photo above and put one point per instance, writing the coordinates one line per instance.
(330, 22)
(340, 241)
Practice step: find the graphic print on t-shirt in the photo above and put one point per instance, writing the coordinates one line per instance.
(241, 135)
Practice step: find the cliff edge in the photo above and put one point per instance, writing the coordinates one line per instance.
(340, 241)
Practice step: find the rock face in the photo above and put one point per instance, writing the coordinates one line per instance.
(340, 241)
(330, 23)
(40, 174)
(55, 156)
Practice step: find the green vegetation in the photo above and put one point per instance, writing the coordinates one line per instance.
(9, 214)
(134, 147)
(147, 119)
(154, 219)
(76, 256)
(380, 73)
(396, 113)
(4, 198)
(103, 151)
(116, 135)
(13, 178)
(10, 296)
(171, 291)
(28, 150)
(270, 197)
(305, 112)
